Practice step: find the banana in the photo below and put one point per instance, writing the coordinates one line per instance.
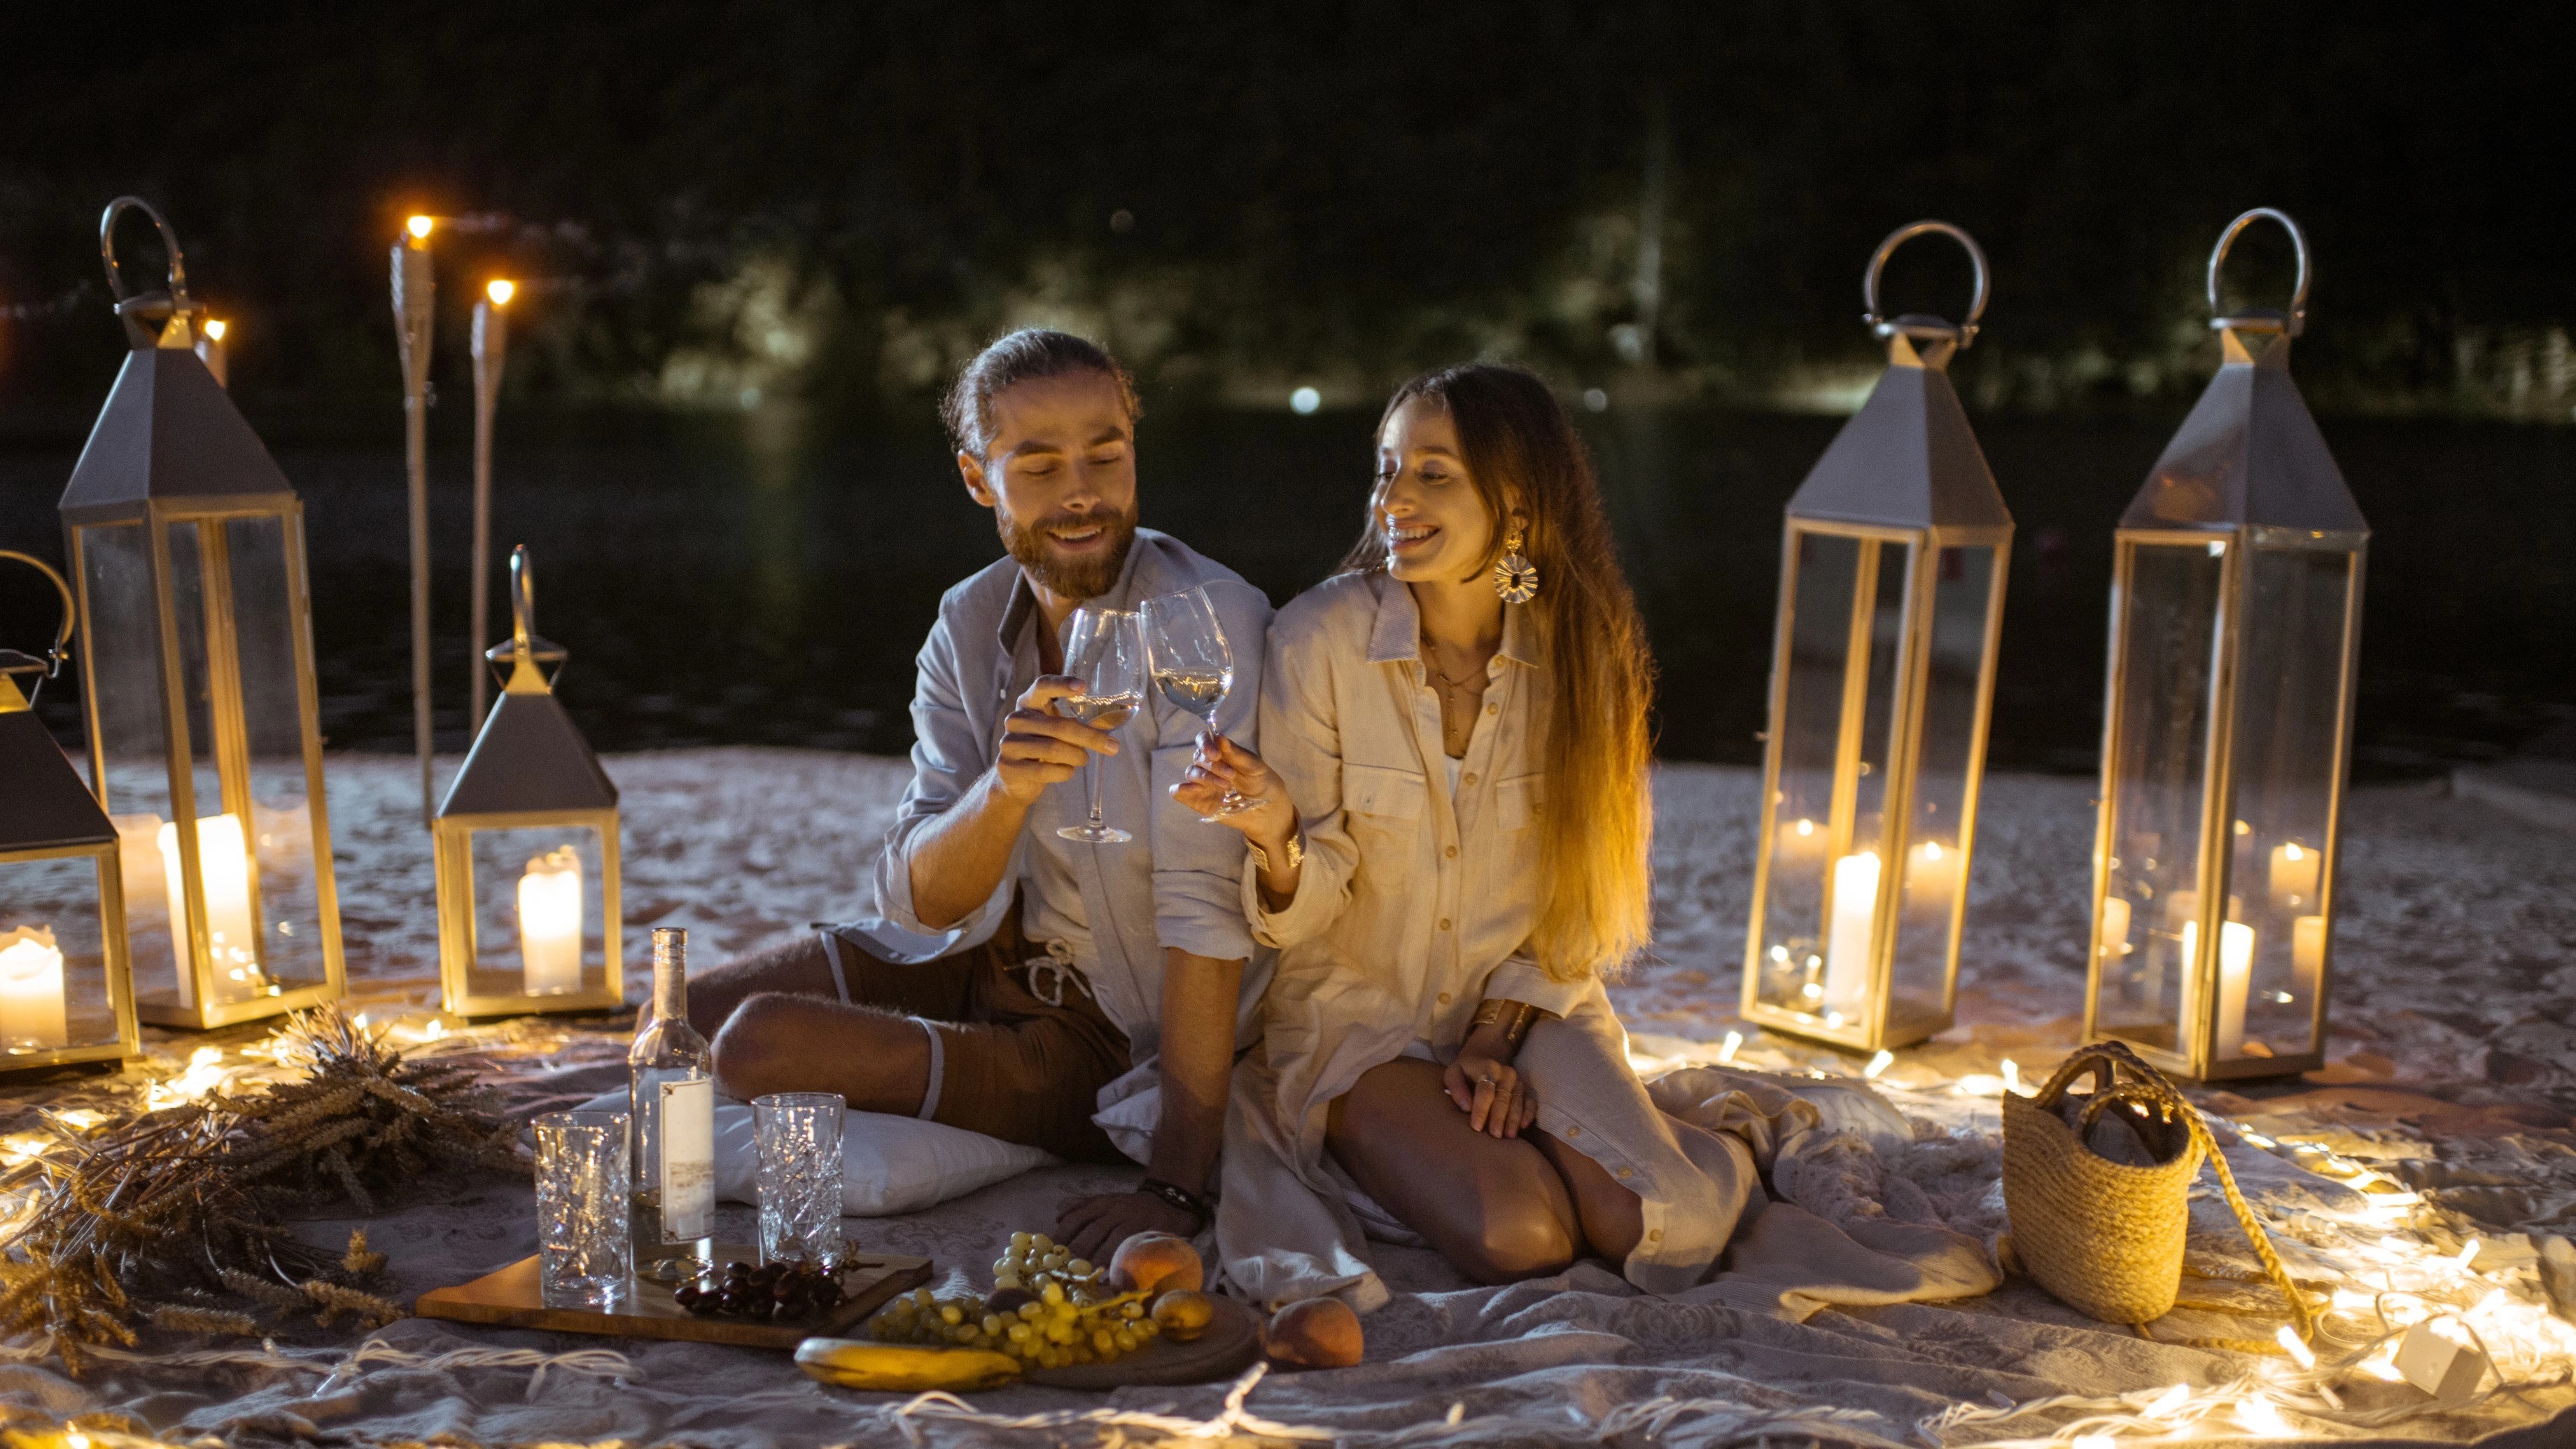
(856, 1364)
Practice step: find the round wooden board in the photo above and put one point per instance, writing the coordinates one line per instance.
(1228, 1347)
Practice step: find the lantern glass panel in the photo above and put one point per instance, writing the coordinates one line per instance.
(2169, 630)
(272, 728)
(2287, 755)
(1945, 765)
(53, 956)
(132, 744)
(1828, 818)
(538, 912)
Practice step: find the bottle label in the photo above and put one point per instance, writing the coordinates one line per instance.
(688, 1160)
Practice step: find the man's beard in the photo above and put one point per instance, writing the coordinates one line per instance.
(1086, 577)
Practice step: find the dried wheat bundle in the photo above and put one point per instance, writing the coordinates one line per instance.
(178, 1218)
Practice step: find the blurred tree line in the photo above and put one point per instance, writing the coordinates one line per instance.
(718, 204)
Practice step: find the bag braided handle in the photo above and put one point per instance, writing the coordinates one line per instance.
(2146, 1085)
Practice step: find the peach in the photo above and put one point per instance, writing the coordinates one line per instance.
(1183, 1314)
(1156, 1263)
(1317, 1333)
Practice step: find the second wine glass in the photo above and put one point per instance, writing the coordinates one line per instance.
(1105, 649)
(1193, 666)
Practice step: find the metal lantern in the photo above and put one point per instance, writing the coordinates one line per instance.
(187, 549)
(2235, 621)
(527, 848)
(1891, 587)
(64, 990)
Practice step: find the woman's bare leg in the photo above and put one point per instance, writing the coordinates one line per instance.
(1493, 1206)
(1613, 1217)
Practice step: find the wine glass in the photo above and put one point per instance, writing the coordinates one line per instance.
(1105, 650)
(1192, 664)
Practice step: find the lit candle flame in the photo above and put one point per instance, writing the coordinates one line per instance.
(500, 290)
(215, 328)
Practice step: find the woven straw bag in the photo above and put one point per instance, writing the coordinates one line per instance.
(2104, 1236)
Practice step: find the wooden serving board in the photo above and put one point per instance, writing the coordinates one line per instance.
(514, 1298)
(1229, 1344)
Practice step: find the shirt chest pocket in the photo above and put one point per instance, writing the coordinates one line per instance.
(1517, 801)
(1382, 799)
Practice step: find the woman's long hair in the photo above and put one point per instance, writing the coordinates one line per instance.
(1598, 817)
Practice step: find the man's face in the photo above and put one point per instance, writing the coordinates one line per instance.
(1060, 478)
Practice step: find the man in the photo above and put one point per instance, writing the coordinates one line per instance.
(1021, 983)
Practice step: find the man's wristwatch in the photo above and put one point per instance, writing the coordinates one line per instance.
(1296, 852)
(1182, 1198)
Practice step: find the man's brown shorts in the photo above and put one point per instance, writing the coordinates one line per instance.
(1013, 1065)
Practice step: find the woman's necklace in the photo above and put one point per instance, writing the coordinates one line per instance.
(1458, 699)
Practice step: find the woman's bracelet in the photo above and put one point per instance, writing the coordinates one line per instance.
(1514, 1017)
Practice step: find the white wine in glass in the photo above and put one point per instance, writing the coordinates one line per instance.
(1106, 651)
(1192, 664)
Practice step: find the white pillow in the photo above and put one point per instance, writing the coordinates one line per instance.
(889, 1164)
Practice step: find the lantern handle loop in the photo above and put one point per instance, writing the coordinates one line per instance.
(523, 602)
(1915, 324)
(2261, 319)
(178, 296)
(13, 661)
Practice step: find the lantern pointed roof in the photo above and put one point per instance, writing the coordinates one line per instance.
(1908, 458)
(2249, 454)
(168, 431)
(49, 808)
(528, 757)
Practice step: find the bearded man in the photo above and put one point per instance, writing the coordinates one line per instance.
(1019, 983)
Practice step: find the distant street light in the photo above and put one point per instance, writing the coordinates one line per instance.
(491, 342)
(414, 290)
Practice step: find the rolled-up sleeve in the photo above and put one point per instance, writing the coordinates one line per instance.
(1301, 740)
(1521, 979)
(1197, 905)
(948, 756)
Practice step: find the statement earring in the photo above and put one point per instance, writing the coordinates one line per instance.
(1515, 578)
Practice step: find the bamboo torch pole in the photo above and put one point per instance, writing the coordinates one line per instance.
(414, 289)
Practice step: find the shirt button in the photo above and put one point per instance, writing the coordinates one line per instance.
(1656, 1236)
(1451, 852)
(1444, 998)
(1493, 709)
(1444, 923)
(1471, 778)
(1573, 1131)
(1627, 1172)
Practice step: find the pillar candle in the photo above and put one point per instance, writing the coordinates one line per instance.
(1799, 845)
(550, 923)
(2307, 957)
(1932, 874)
(1851, 933)
(223, 864)
(2115, 926)
(2235, 979)
(32, 1013)
(2294, 875)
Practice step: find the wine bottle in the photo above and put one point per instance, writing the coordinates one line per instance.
(671, 1105)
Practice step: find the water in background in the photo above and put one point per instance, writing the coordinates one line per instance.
(767, 578)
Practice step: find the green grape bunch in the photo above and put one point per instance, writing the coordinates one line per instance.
(1048, 1309)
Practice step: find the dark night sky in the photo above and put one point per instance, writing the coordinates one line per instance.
(1337, 188)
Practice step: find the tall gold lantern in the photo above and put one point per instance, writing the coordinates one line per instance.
(2235, 623)
(64, 989)
(528, 915)
(1891, 590)
(187, 550)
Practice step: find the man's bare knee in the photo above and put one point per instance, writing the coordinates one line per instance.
(755, 1050)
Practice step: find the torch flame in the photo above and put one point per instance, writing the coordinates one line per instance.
(500, 290)
(215, 328)
(419, 227)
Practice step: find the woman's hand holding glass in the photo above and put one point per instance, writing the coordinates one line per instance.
(1266, 818)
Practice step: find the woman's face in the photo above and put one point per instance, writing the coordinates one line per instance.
(1436, 526)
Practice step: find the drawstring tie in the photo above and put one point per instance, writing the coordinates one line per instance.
(1049, 973)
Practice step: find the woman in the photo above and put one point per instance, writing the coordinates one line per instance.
(1460, 719)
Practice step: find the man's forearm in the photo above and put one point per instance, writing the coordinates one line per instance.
(959, 858)
(1199, 999)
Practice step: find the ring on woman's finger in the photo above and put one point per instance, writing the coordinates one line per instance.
(1484, 1081)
